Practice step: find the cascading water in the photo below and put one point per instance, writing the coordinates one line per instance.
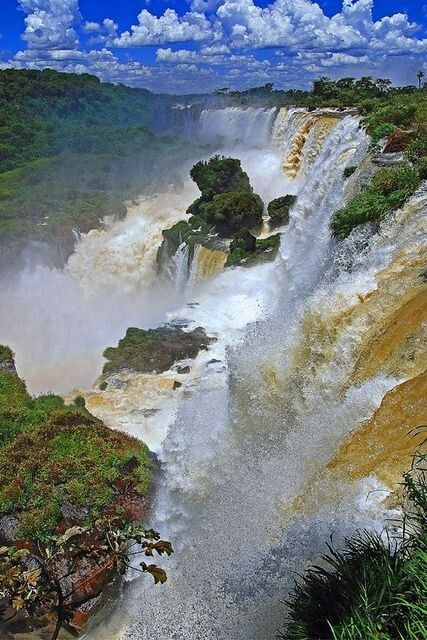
(256, 443)
(242, 493)
(234, 125)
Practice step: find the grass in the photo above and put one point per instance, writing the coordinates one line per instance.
(52, 455)
(371, 589)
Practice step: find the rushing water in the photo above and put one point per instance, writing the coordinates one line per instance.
(250, 437)
(245, 443)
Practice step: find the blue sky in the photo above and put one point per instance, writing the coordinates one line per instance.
(197, 45)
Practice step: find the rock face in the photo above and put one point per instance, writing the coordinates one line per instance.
(397, 142)
(226, 208)
(155, 350)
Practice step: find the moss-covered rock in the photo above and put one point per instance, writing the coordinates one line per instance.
(192, 232)
(278, 209)
(234, 211)
(245, 248)
(155, 350)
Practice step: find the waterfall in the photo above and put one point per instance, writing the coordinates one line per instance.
(274, 148)
(252, 436)
(234, 125)
(280, 433)
(206, 264)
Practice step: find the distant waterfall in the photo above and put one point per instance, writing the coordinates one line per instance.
(237, 125)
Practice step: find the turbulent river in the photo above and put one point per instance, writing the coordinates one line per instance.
(292, 425)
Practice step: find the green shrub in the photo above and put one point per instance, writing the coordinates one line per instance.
(370, 590)
(399, 178)
(219, 175)
(6, 354)
(417, 149)
(382, 131)
(234, 211)
(422, 167)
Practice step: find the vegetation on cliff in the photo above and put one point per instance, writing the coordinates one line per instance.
(59, 462)
(372, 588)
(388, 190)
(73, 494)
(156, 350)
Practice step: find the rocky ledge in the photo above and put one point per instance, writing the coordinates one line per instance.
(154, 350)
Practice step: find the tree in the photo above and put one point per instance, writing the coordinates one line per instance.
(420, 76)
(37, 581)
(383, 84)
(345, 83)
(324, 87)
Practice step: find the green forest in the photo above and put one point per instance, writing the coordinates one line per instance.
(72, 149)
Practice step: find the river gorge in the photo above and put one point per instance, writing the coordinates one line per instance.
(293, 423)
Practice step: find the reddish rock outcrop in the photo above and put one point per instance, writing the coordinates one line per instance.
(397, 142)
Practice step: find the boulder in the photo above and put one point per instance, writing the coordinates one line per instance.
(183, 370)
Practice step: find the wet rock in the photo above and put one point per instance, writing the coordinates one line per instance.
(155, 350)
(278, 210)
(73, 513)
(8, 528)
(176, 385)
(147, 413)
(213, 361)
(183, 370)
(388, 159)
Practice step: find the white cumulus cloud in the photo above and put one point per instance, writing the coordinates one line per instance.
(167, 28)
(49, 24)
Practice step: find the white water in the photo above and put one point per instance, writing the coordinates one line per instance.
(243, 437)
(234, 125)
(251, 432)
